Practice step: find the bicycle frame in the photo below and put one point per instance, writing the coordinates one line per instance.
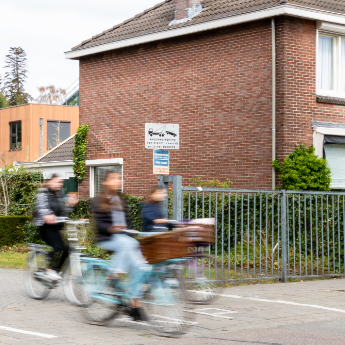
(153, 276)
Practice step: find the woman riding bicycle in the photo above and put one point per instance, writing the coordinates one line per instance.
(48, 206)
(111, 221)
(153, 217)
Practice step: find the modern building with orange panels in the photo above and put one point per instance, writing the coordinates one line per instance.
(29, 131)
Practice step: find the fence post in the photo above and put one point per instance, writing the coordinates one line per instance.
(177, 197)
(176, 180)
(164, 184)
(283, 235)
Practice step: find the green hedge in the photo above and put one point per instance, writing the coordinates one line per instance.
(83, 210)
(13, 230)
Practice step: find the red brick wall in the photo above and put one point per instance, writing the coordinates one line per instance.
(296, 83)
(216, 86)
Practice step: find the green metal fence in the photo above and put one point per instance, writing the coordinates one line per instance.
(270, 234)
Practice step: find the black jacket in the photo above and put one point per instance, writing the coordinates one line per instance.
(104, 220)
(48, 202)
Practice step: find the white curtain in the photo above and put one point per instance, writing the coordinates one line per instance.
(342, 76)
(325, 63)
(335, 155)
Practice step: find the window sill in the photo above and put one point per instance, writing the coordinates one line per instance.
(330, 100)
(14, 150)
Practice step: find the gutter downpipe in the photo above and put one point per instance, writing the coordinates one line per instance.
(273, 101)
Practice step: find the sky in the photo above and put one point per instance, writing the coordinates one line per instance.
(46, 29)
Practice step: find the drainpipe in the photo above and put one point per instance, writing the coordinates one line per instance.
(273, 101)
(41, 122)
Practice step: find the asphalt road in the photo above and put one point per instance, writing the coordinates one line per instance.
(293, 313)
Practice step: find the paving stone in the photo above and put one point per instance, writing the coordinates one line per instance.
(55, 316)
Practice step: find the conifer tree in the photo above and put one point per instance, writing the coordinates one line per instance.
(3, 100)
(15, 77)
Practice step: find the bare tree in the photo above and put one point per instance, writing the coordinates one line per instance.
(6, 161)
(56, 136)
(51, 95)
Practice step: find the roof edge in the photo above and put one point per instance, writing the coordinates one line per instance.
(39, 104)
(54, 148)
(269, 12)
(46, 164)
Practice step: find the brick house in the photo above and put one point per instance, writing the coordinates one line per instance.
(244, 79)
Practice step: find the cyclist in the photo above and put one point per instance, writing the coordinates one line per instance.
(110, 215)
(153, 217)
(49, 205)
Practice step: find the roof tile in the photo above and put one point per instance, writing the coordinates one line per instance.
(64, 152)
(158, 17)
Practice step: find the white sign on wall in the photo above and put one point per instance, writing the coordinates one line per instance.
(162, 136)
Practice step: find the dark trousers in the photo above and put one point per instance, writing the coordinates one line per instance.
(51, 235)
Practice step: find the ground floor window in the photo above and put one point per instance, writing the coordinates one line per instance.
(99, 173)
(329, 143)
(335, 155)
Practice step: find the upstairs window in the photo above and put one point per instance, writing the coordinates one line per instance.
(15, 135)
(331, 65)
(57, 132)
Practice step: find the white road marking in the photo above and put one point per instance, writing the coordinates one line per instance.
(285, 302)
(281, 302)
(10, 329)
(220, 314)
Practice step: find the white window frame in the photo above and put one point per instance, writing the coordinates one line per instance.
(98, 163)
(318, 138)
(337, 32)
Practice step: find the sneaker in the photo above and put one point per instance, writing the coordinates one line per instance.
(138, 314)
(53, 276)
(40, 275)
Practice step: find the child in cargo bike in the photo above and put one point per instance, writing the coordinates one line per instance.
(111, 220)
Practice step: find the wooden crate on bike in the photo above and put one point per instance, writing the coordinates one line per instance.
(165, 246)
(200, 234)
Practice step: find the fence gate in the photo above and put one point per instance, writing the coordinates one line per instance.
(268, 234)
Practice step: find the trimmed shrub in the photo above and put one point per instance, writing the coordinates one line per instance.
(83, 209)
(13, 230)
(134, 211)
(22, 186)
(304, 170)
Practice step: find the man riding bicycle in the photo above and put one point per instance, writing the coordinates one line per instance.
(49, 205)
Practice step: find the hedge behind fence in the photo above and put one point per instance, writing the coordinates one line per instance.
(13, 230)
(315, 223)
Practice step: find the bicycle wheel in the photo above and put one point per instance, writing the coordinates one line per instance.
(197, 285)
(74, 287)
(168, 311)
(34, 286)
(100, 306)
